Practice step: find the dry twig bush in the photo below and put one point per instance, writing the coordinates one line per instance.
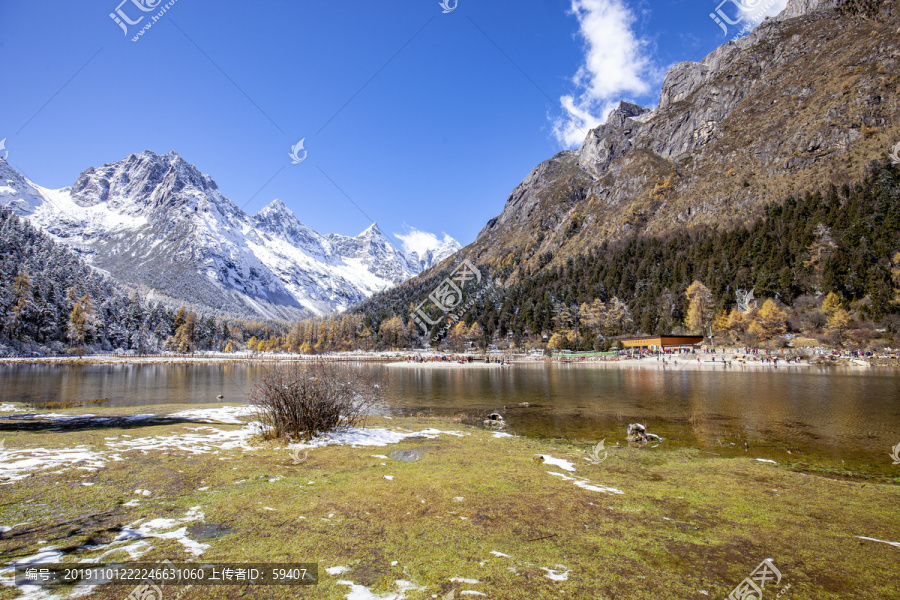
(299, 402)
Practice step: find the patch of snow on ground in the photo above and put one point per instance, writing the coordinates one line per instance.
(338, 570)
(464, 580)
(353, 436)
(500, 554)
(8, 408)
(897, 544)
(224, 414)
(471, 593)
(559, 462)
(587, 485)
(556, 575)
(361, 592)
(193, 443)
(8, 573)
(157, 528)
(19, 463)
(767, 460)
(501, 434)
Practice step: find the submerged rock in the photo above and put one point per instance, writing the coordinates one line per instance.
(638, 434)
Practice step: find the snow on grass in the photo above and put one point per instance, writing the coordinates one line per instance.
(18, 463)
(499, 554)
(766, 460)
(361, 592)
(556, 575)
(8, 573)
(337, 570)
(587, 485)
(8, 407)
(389, 477)
(166, 529)
(471, 593)
(211, 440)
(464, 580)
(895, 544)
(224, 414)
(558, 462)
(354, 436)
(501, 434)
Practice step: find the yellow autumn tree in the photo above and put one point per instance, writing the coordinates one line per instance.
(839, 322)
(700, 306)
(769, 321)
(720, 322)
(558, 341)
(831, 303)
(458, 335)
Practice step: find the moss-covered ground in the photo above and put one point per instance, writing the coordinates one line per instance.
(687, 525)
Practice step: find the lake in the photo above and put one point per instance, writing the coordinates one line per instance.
(846, 417)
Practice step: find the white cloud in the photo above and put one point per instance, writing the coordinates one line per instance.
(616, 62)
(420, 242)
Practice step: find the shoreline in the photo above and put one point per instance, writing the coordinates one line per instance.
(395, 359)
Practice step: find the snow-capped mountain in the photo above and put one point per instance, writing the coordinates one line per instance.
(159, 225)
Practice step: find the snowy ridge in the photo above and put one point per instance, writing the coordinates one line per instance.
(158, 223)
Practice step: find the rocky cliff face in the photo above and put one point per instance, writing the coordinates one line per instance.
(804, 101)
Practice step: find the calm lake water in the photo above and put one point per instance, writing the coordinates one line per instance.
(849, 417)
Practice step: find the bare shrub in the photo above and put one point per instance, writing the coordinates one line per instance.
(300, 401)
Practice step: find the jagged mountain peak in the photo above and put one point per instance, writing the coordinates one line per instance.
(276, 212)
(372, 231)
(275, 206)
(156, 222)
(147, 181)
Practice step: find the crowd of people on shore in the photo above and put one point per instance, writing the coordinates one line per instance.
(456, 358)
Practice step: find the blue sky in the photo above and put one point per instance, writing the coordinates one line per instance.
(412, 117)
